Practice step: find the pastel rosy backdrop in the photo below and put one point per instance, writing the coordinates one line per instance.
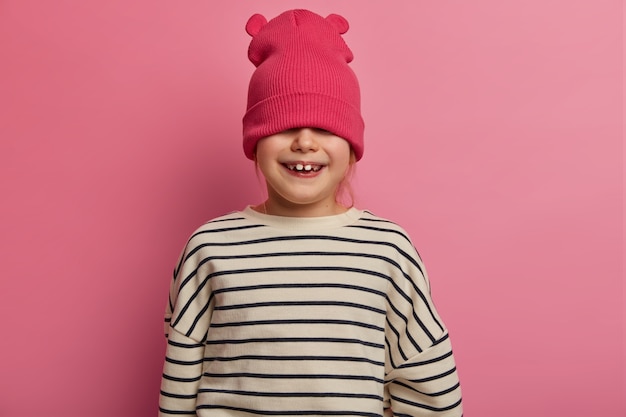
(494, 136)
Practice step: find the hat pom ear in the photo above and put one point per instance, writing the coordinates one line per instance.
(339, 22)
(255, 23)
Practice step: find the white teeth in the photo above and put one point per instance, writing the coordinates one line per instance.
(303, 168)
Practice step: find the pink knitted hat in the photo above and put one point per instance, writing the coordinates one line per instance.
(302, 79)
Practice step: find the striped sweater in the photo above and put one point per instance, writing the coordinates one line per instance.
(326, 316)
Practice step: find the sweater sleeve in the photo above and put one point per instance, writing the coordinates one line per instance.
(187, 318)
(181, 375)
(421, 376)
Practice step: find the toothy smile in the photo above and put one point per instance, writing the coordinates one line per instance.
(303, 167)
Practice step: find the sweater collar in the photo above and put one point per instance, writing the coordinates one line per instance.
(304, 223)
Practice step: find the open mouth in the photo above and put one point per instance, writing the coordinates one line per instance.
(304, 167)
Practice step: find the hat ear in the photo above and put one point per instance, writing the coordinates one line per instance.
(255, 23)
(339, 22)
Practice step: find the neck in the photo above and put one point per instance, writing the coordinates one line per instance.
(300, 210)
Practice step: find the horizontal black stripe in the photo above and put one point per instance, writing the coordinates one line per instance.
(178, 379)
(179, 396)
(374, 218)
(298, 269)
(185, 345)
(300, 304)
(299, 286)
(294, 376)
(295, 340)
(432, 378)
(226, 229)
(381, 229)
(289, 412)
(447, 391)
(294, 394)
(430, 394)
(425, 406)
(292, 358)
(296, 321)
(185, 363)
(177, 412)
(225, 218)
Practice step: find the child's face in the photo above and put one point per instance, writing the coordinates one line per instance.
(303, 169)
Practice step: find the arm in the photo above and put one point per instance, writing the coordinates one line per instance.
(421, 377)
(187, 318)
(181, 375)
(426, 384)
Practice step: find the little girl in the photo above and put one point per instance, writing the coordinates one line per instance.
(300, 305)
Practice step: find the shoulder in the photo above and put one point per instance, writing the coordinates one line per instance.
(385, 230)
(222, 227)
(391, 238)
(382, 227)
(230, 220)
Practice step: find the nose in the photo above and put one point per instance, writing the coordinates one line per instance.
(304, 140)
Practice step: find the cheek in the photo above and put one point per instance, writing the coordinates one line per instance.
(264, 154)
(339, 148)
(262, 166)
(343, 154)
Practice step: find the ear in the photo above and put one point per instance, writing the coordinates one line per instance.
(338, 22)
(255, 23)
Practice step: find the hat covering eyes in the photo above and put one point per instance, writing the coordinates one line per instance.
(302, 79)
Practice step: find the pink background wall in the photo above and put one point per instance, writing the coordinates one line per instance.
(494, 136)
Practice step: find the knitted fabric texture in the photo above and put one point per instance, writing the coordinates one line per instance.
(302, 79)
